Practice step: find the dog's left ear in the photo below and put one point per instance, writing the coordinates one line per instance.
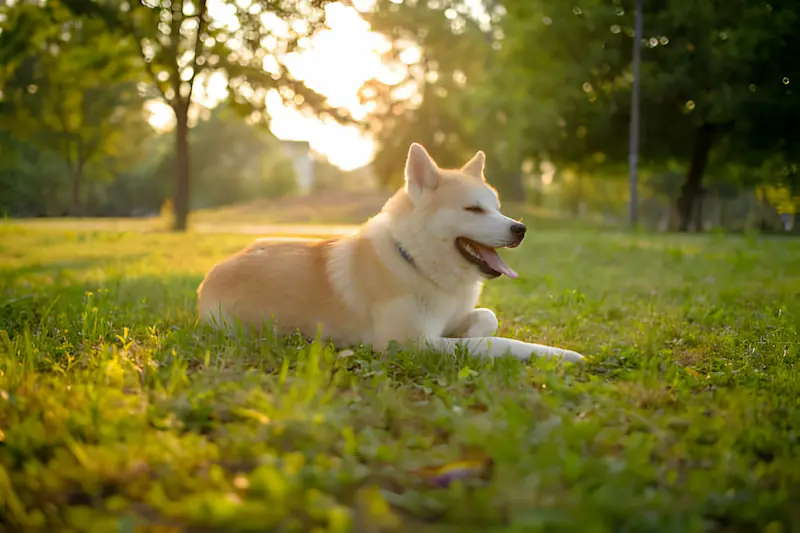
(475, 165)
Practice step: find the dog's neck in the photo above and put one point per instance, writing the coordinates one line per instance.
(410, 260)
(400, 244)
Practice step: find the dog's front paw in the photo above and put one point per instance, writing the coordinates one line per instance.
(572, 357)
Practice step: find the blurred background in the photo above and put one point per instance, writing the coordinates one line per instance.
(277, 111)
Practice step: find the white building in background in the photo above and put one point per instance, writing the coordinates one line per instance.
(299, 153)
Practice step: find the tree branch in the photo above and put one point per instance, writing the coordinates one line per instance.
(176, 20)
(111, 16)
(148, 65)
(198, 49)
(90, 148)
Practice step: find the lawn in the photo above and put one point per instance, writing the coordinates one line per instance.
(117, 410)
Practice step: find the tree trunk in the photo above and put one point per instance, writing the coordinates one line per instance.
(693, 186)
(75, 207)
(576, 206)
(182, 189)
(77, 182)
(700, 199)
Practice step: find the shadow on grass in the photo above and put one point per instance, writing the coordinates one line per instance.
(68, 266)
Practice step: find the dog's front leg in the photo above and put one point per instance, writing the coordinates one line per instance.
(500, 346)
(480, 322)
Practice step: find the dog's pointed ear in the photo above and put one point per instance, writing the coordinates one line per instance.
(474, 166)
(422, 173)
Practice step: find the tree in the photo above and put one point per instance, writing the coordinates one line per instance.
(181, 43)
(703, 68)
(252, 166)
(767, 139)
(30, 179)
(70, 88)
(475, 79)
(712, 77)
(443, 54)
(557, 70)
(555, 86)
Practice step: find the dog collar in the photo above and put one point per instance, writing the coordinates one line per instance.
(410, 260)
(404, 254)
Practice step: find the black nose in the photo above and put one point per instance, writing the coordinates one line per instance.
(518, 230)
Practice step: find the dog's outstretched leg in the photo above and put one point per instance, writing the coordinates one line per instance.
(478, 329)
(499, 347)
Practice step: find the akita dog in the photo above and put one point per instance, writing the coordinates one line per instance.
(411, 274)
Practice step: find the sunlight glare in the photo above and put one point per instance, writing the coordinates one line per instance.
(336, 63)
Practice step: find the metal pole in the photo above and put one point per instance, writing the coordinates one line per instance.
(633, 147)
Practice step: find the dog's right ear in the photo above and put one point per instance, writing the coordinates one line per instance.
(422, 172)
(474, 166)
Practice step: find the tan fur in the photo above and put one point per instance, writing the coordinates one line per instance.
(359, 289)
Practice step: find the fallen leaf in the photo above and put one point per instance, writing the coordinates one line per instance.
(443, 475)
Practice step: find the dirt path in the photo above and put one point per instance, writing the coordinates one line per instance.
(278, 230)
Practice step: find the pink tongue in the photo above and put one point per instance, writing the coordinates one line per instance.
(495, 261)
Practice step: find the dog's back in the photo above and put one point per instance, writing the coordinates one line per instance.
(299, 286)
(283, 279)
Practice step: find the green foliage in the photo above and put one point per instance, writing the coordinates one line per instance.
(119, 411)
(69, 87)
(34, 182)
(551, 81)
(561, 66)
(277, 178)
(181, 44)
(233, 161)
(701, 65)
(433, 101)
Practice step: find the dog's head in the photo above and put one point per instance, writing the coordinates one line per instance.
(461, 212)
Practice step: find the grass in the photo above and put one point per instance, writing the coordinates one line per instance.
(117, 410)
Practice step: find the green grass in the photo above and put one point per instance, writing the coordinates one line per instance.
(117, 410)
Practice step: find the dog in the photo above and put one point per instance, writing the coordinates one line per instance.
(412, 274)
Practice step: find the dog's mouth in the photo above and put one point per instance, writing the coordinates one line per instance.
(485, 258)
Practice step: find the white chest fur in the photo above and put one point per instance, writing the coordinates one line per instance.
(442, 313)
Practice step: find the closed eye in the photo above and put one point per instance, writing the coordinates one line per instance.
(475, 209)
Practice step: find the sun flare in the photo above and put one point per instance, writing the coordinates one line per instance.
(336, 64)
